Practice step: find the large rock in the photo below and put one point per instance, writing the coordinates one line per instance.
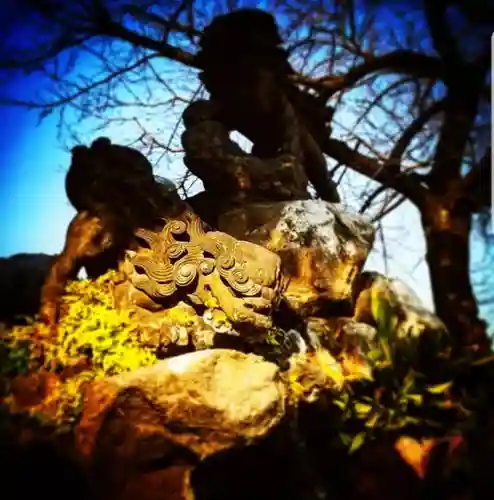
(177, 412)
(322, 247)
(403, 311)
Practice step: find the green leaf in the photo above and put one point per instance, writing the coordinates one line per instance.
(340, 404)
(416, 398)
(377, 308)
(386, 351)
(345, 397)
(409, 382)
(346, 439)
(372, 422)
(381, 311)
(439, 388)
(363, 409)
(391, 413)
(374, 355)
(357, 442)
(483, 361)
(408, 420)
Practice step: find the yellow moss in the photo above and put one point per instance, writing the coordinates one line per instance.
(276, 240)
(217, 319)
(274, 337)
(211, 302)
(182, 315)
(89, 328)
(296, 388)
(92, 326)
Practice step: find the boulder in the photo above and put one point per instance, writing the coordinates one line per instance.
(176, 413)
(408, 317)
(322, 247)
(342, 334)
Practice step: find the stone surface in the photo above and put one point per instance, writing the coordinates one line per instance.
(156, 424)
(227, 172)
(411, 317)
(342, 333)
(180, 328)
(257, 97)
(321, 246)
(205, 401)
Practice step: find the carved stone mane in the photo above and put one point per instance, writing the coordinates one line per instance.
(184, 261)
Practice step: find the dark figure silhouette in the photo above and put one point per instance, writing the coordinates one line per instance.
(247, 73)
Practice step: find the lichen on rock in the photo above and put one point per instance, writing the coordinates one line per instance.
(322, 247)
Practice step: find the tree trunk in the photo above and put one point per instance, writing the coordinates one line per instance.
(447, 232)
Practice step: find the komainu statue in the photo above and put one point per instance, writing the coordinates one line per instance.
(186, 262)
(247, 75)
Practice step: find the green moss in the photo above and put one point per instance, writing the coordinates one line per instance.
(14, 360)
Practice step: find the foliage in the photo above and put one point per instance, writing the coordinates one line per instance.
(14, 360)
(415, 387)
(92, 327)
(93, 339)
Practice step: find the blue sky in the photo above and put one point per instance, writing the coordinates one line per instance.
(35, 212)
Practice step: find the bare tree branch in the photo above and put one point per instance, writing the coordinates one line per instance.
(401, 62)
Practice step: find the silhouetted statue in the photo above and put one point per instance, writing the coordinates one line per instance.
(247, 74)
(229, 174)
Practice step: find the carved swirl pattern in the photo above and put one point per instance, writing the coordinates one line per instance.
(184, 251)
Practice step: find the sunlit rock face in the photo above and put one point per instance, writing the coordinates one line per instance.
(322, 247)
(343, 333)
(21, 278)
(411, 318)
(180, 410)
